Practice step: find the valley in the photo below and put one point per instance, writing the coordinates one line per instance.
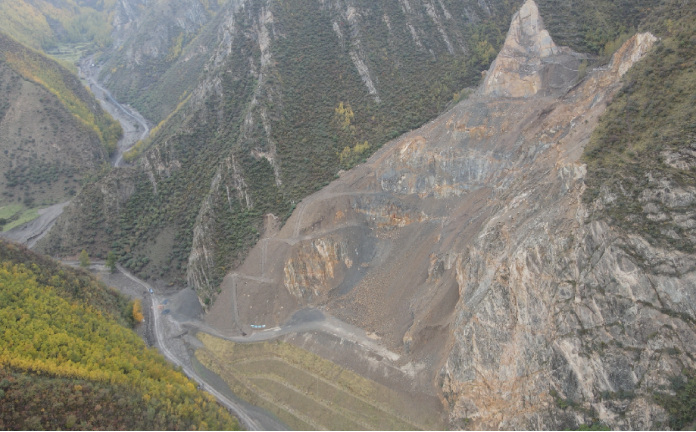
(362, 215)
(135, 127)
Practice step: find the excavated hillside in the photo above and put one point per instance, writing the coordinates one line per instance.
(465, 247)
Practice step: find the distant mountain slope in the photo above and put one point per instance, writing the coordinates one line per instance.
(52, 131)
(44, 24)
(63, 342)
(158, 61)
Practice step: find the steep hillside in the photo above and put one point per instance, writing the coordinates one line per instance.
(640, 159)
(67, 362)
(47, 24)
(159, 59)
(289, 94)
(254, 111)
(469, 246)
(53, 133)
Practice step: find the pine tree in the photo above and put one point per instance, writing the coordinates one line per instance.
(111, 261)
(84, 259)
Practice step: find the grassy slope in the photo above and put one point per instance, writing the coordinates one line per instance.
(652, 117)
(67, 360)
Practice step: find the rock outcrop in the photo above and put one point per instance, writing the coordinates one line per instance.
(465, 246)
(530, 61)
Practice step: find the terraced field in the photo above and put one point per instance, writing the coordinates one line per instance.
(307, 392)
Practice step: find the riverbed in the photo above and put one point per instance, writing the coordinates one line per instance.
(135, 126)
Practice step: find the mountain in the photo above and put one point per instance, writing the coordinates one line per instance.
(498, 249)
(70, 360)
(50, 24)
(53, 133)
(482, 210)
(259, 104)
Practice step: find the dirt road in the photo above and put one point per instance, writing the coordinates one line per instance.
(248, 419)
(34, 230)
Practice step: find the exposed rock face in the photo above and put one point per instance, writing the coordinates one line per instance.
(465, 246)
(530, 61)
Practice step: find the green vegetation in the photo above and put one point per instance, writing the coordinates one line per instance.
(84, 259)
(308, 392)
(43, 24)
(682, 406)
(36, 67)
(37, 173)
(643, 143)
(594, 427)
(75, 353)
(6, 212)
(111, 261)
(589, 25)
(20, 218)
(9, 214)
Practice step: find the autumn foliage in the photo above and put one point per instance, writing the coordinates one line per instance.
(138, 311)
(46, 335)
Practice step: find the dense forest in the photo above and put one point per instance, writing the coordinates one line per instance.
(70, 361)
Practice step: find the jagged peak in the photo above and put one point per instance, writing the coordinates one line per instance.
(516, 72)
(527, 33)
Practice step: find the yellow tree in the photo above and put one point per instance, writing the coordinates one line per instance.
(84, 259)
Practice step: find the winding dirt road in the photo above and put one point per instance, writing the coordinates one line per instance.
(247, 419)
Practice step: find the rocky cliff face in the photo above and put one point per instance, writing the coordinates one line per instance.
(465, 245)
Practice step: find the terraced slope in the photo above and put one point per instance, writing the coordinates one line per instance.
(310, 393)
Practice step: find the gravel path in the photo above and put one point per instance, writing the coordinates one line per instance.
(34, 230)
